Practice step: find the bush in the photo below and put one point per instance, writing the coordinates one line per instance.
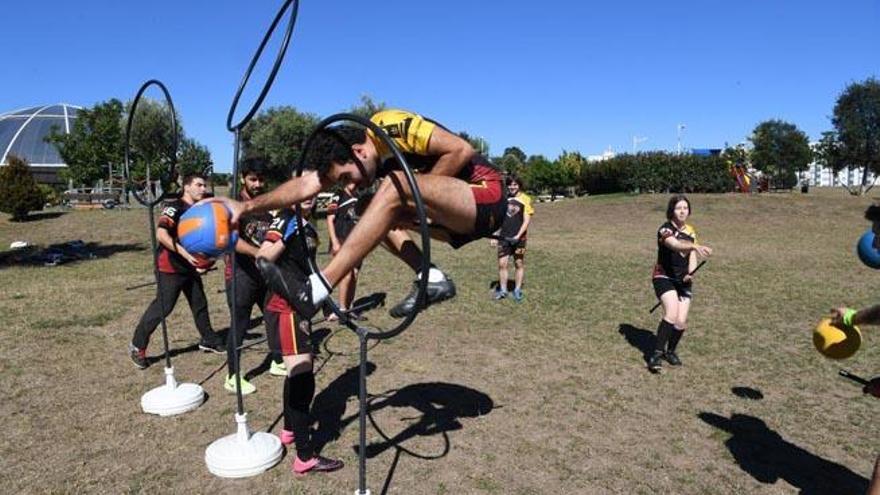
(19, 192)
(657, 172)
(51, 195)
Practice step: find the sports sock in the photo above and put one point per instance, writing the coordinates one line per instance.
(675, 337)
(664, 331)
(299, 391)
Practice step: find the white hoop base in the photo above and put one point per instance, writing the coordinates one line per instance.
(243, 454)
(172, 398)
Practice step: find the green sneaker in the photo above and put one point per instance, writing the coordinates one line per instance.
(246, 386)
(278, 369)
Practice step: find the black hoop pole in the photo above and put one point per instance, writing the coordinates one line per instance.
(154, 243)
(232, 352)
(278, 59)
(420, 212)
(363, 335)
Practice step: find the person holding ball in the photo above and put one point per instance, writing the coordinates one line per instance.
(843, 317)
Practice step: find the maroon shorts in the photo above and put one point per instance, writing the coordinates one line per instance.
(291, 333)
(490, 195)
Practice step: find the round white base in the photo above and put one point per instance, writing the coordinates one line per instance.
(243, 454)
(172, 398)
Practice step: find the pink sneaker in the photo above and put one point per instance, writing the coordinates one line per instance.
(286, 437)
(316, 464)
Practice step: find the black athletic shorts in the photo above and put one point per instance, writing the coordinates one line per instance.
(506, 249)
(663, 285)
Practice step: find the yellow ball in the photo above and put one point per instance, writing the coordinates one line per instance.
(836, 343)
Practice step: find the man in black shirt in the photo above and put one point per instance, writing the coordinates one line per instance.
(250, 287)
(179, 272)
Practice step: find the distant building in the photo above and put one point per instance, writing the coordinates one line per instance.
(706, 151)
(817, 175)
(23, 133)
(606, 155)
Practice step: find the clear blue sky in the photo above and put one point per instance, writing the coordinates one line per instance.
(544, 76)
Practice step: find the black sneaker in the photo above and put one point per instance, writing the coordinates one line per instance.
(437, 292)
(672, 358)
(655, 364)
(138, 357)
(298, 293)
(215, 347)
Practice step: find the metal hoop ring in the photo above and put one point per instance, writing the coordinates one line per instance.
(278, 59)
(137, 99)
(377, 334)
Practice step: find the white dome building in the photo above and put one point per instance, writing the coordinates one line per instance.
(23, 133)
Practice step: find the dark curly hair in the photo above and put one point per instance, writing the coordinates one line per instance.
(254, 165)
(333, 145)
(873, 213)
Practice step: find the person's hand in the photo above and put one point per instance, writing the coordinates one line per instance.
(236, 207)
(873, 387)
(192, 260)
(837, 316)
(687, 278)
(493, 242)
(703, 251)
(334, 248)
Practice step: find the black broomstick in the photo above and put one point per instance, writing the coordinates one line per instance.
(691, 274)
(856, 378)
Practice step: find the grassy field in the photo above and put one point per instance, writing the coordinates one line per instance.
(548, 396)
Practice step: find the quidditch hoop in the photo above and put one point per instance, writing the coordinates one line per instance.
(420, 212)
(278, 59)
(141, 198)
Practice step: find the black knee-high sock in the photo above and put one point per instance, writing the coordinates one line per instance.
(299, 390)
(675, 337)
(664, 331)
(288, 421)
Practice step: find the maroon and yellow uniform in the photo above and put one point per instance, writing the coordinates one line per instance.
(411, 133)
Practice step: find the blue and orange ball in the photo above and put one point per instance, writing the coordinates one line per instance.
(205, 229)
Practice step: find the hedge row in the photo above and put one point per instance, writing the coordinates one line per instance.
(657, 172)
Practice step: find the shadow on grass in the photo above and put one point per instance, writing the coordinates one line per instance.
(173, 352)
(641, 339)
(767, 457)
(511, 284)
(64, 253)
(42, 215)
(437, 409)
(747, 393)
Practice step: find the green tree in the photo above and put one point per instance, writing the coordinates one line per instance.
(479, 144)
(19, 192)
(152, 140)
(367, 107)
(94, 145)
(781, 150)
(516, 153)
(543, 175)
(278, 135)
(855, 140)
(193, 158)
(572, 163)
